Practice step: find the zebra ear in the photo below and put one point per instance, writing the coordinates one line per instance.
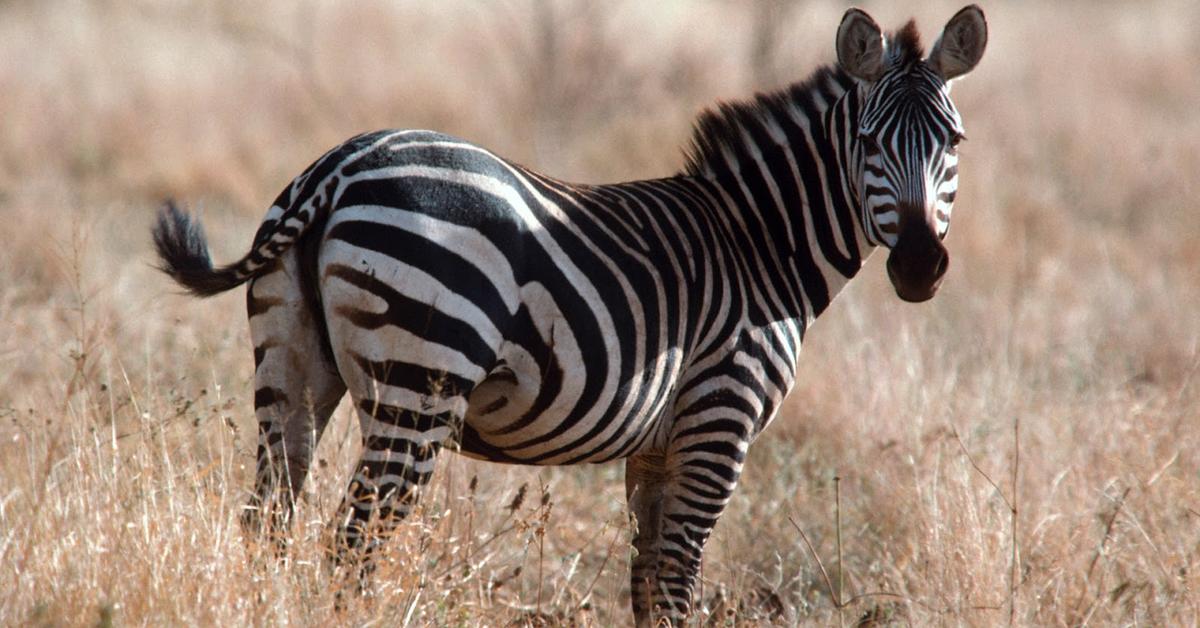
(961, 45)
(860, 46)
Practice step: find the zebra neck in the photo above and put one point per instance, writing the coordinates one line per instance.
(782, 171)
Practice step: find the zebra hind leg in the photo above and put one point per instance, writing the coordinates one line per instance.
(400, 448)
(297, 389)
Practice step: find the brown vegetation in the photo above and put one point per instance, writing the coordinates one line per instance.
(1069, 319)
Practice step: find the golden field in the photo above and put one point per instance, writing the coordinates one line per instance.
(1054, 375)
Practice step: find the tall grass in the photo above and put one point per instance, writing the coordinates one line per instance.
(126, 431)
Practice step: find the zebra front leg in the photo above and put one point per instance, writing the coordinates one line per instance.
(399, 453)
(703, 465)
(644, 483)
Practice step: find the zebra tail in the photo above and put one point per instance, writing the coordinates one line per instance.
(183, 254)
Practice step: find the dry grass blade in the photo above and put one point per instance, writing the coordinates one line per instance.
(820, 564)
(982, 473)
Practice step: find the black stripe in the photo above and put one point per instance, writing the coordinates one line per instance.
(421, 319)
(452, 270)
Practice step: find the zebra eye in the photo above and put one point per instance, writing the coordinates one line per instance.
(952, 145)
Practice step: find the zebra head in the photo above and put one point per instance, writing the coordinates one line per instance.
(906, 139)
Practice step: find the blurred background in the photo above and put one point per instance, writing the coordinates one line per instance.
(1054, 373)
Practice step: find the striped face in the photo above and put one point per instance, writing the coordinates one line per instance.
(907, 139)
(908, 135)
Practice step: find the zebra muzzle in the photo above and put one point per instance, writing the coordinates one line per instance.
(917, 264)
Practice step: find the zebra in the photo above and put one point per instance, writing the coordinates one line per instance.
(470, 303)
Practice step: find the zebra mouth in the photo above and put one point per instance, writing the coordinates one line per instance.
(917, 265)
(913, 292)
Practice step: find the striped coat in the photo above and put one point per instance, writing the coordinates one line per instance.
(466, 302)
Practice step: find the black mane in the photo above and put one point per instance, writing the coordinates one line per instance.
(904, 46)
(725, 127)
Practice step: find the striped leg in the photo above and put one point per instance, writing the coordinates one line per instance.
(296, 391)
(400, 448)
(686, 497)
(695, 498)
(644, 484)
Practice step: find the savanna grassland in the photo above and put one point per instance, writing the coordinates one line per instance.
(1025, 448)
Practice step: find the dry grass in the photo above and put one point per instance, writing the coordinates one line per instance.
(126, 435)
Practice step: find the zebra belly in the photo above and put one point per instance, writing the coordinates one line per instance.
(519, 414)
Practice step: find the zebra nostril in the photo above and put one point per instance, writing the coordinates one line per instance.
(942, 264)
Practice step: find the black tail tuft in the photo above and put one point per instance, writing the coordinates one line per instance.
(183, 254)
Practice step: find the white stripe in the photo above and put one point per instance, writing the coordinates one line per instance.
(410, 281)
